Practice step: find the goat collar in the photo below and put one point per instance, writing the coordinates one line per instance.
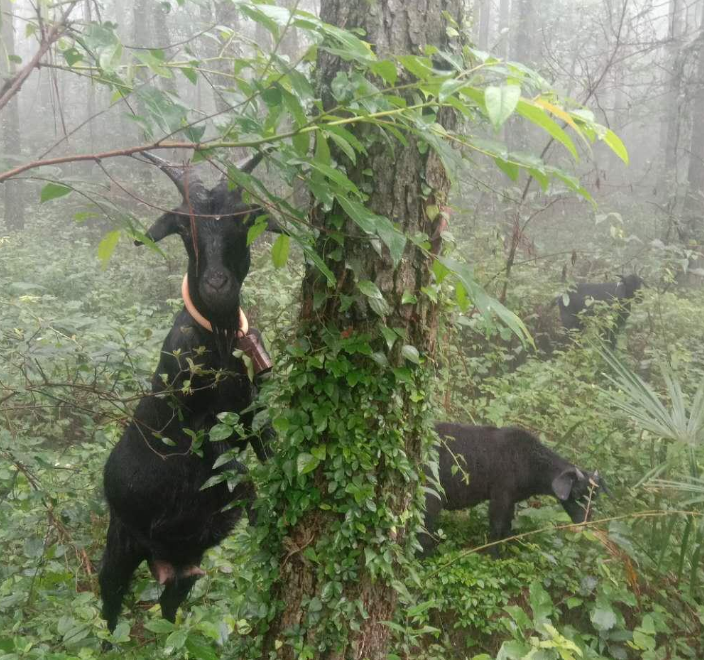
(200, 319)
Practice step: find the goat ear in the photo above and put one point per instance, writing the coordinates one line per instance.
(166, 225)
(563, 482)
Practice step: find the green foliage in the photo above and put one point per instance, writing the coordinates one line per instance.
(78, 345)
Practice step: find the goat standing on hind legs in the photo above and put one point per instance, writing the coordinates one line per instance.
(158, 511)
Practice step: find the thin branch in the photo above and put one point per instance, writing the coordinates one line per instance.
(13, 85)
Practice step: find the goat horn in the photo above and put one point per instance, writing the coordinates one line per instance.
(175, 172)
(247, 166)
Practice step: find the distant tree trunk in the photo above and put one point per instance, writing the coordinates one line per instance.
(162, 38)
(672, 120)
(262, 37)
(90, 88)
(504, 23)
(484, 24)
(310, 616)
(12, 142)
(694, 205)
(141, 37)
(522, 30)
(289, 44)
(476, 18)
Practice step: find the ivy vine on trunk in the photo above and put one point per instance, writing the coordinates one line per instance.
(343, 493)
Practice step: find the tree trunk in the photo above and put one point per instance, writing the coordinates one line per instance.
(162, 39)
(12, 144)
(504, 22)
(672, 121)
(338, 558)
(484, 24)
(289, 43)
(695, 174)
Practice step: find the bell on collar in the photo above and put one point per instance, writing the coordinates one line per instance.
(253, 346)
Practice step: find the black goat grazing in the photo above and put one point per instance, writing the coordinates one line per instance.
(504, 466)
(621, 292)
(154, 475)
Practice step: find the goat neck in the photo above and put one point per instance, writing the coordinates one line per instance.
(224, 334)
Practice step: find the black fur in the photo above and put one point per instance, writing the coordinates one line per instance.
(621, 292)
(154, 475)
(504, 466)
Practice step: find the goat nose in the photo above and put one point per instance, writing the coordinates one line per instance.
(217, 280)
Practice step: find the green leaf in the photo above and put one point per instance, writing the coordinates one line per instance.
(603, 616)
(155, 64)
(420, 67)
(159, 626)
(72, 56)
(256, 230)
(408, 298)
(379, 306)
(344, 145)
(411, 353)
(389, 335)
(176, 639)
(386, 70)
(511, 170)
(306, 463)
(190, 73)
(53, 190)
(121, 635)
(392, 237)
(331, 173)
(540, 118)
(616, 145)
(501, 102)
(322, 149)
(486, 305)
(199, 649)
(369, 289)
(279, 251)
(107, 247)
(220, 432)
(365, 219)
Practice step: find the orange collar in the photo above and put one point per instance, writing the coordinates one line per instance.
(200, 319)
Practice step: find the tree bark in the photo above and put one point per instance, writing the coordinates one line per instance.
(484, 24)
(307, 618)
(672, 121)
(695, 174)
(504, 22)
(12, 141)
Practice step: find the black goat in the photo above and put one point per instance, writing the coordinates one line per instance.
(154, 475)
(504, 466)
(621, 292)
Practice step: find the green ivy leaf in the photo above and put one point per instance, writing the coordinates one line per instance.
(410, 353)
(369, 289)
(306, 463)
